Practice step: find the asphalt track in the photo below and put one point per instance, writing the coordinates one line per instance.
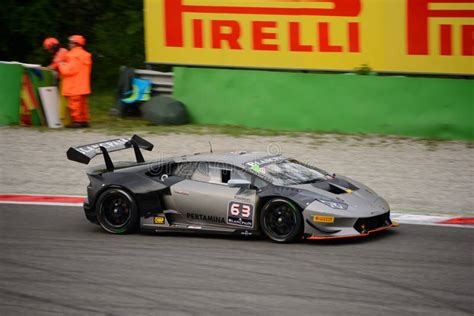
(53, 261)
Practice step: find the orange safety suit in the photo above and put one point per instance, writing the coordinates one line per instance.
(58, 57)
(76, 74)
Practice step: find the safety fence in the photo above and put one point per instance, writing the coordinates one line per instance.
(162, 82)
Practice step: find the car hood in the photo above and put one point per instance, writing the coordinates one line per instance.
(360, 199)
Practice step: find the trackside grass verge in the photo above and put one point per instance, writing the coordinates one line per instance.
(102, 121)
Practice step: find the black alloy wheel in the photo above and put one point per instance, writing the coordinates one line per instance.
(117, 212)
(281, 221)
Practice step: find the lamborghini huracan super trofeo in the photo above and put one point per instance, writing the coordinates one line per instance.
(245, 193)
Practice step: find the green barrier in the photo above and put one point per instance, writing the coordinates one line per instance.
(10, 92)
(10, 87)
(426, 107)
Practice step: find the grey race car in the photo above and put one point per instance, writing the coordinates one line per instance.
(234, 193)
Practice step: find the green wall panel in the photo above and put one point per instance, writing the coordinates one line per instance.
(426, 107)
(10, 87)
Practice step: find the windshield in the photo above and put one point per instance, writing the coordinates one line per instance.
(287, 172)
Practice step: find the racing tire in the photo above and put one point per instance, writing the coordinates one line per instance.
(117, 212)
(281, 221)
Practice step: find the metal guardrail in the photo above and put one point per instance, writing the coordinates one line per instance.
(162, 82)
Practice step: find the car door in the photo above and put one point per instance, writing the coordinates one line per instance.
(207, 199)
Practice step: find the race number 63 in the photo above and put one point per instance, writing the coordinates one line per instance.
(240, 210)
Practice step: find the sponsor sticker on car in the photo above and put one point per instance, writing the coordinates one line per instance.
(323, 219)
(240, 214)
(160, 220)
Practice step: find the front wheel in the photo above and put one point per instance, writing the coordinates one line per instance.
(117, 212)
(281, 221)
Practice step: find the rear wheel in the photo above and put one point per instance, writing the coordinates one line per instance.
(117, 212)
(281, 221)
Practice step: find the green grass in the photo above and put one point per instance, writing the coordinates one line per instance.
(103, 121)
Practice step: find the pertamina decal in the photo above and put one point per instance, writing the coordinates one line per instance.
(205, 218)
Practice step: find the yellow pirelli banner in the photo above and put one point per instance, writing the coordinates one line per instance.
(417, 36)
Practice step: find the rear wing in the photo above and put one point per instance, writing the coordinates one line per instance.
(85, 153)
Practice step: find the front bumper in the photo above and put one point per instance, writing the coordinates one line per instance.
(364, 234)
(347, 227)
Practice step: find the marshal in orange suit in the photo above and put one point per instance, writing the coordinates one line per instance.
(76, 73)
(58, 53)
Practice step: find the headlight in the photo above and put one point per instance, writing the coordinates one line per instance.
(336, 205)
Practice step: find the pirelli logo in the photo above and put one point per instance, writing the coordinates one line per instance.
(435, 36)
(420, 13)
(227, 33)
(323, 219)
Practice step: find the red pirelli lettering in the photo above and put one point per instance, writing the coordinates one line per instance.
(468, 40)
(445, 38)
(354, 38)
(198, 41)
(418, 15)
(231, 35)
(261, 34)
(175, 10)
(295, 41)
(324, 44)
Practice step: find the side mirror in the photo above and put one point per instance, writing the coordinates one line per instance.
(239, 183)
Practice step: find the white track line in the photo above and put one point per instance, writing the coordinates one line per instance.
(432, 220)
